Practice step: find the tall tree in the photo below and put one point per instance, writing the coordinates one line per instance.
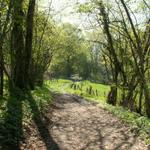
(29, 39)
(21, 49)
(140, 49)
(3, 30)
(17, 44)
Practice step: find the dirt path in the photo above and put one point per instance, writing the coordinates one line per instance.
(79, 125)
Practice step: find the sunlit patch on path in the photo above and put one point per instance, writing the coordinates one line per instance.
(76, 124)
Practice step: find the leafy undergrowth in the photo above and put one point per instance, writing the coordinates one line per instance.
(43, 98)
(18, 110)
(140, 124)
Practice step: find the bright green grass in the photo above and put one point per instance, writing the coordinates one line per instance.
(64, 86)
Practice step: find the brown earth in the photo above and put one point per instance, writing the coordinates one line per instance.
(75, 124)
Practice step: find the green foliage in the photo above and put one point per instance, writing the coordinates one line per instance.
(43, 99)
(86, 7)
(71, 54)
(18, 111)
(77, 56)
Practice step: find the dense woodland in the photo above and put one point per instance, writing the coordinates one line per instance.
(113, 49)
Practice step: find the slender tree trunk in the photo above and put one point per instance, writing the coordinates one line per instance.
(1, 61)
(18, 44)
(1, 71)
(140, 50)
(29, 37)
(147, 97)
(140, 101)
(3, 29)
(112, 97)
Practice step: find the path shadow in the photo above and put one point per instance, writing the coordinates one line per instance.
(38, 118)
(127, 141)
(101, 133)
(11, 128)
(100, 139)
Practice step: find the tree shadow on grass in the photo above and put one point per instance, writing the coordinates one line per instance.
(38, 118)
(11, 128)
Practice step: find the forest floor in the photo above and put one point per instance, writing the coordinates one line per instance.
(73, 123)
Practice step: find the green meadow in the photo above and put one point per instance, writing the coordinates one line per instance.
(86, 89)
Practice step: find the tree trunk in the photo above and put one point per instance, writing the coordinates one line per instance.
(147, 97)
(140, 101)
(1, 71)
(141, 52)
(116, 63)
(18, 44)
(28, 46)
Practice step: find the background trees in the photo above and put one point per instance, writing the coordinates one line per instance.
(32, 43)
(113, 49)
(116, 50)
(124, 29)
(75, 55)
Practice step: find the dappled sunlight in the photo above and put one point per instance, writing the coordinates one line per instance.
(74, 74)
(79, 124)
